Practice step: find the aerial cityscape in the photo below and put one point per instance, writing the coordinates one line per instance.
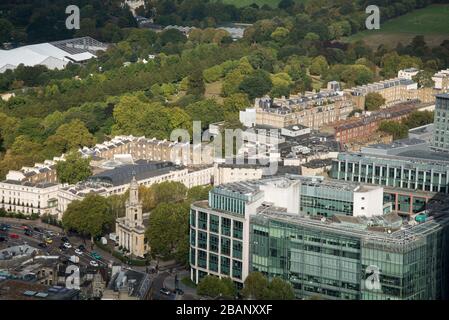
(252, 150)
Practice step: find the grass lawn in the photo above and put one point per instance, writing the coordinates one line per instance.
(213, 91)
(432, 22)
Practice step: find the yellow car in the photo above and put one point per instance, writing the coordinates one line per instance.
(49, 240)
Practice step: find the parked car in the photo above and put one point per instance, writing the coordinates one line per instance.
(37, 229)
(165, 291)
(42, 245)
(78, 252)
(65, 239)
(48, 240)
(81, 247)
(14, 236)
(62, 247)
(93, 263)
(3, 239)
(28, 232)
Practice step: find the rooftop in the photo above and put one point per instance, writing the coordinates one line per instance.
(143, 169)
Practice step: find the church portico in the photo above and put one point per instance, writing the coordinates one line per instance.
(131, 227)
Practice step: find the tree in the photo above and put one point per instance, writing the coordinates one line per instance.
(73, 169)
(257, 84)
(214, 287)
(281, 290)
(396, 129)
(6, 29)
(196, 86)
(168, 192)
(418, 119)
(168, 229)
(198, 193)
(373, 101)
(256, 287)
(424, 79)
(72, 135)
(319, 66)
(91, 216)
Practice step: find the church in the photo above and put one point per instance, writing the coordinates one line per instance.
(131, 228)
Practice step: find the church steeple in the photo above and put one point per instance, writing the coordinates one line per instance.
(134, 190)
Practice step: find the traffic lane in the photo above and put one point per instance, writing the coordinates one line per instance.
(158, 284)
(53, 248)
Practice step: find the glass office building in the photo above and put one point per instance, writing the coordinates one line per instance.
(219, 233)
(414, 170)
(440, 140)
(345, 259)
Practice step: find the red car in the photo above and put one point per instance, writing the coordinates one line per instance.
(14, 236)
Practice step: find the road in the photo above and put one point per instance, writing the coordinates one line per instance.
(51, 249)
(158, 283)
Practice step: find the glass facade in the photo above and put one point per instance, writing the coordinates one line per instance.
(335, 264)
(216, 244)
(441, 123)
(395, 172)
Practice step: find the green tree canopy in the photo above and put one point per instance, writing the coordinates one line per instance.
(75, 168)
(214, 287)
(91, 216)
(373, 101)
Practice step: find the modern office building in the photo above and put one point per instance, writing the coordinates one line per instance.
(441, 123)
(407, 164)
(354, 258)
(319, 197)
(220, 227)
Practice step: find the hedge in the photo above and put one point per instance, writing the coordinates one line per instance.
(121, 257)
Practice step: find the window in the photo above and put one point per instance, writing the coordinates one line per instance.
(238, 230)
(237, 249)
(225, 265)
(226, 226)
(214, 222)
(225, 246)
(202, 240)
(202, 220)
(213, 262)
(236, 269)
(213, 243)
